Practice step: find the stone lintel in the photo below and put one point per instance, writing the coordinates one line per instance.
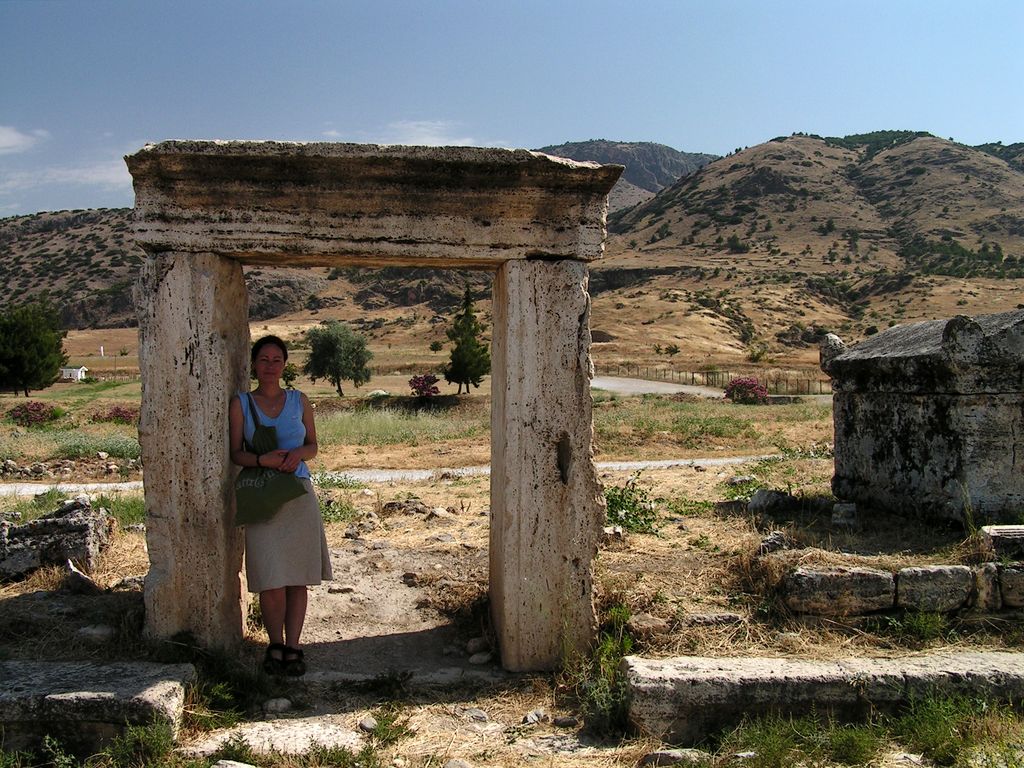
(546, 502)
(334, 204)
(193, 355)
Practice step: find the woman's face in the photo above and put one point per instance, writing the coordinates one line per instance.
(269, 363)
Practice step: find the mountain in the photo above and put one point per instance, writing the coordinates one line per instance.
(751, 255)
(650, 167)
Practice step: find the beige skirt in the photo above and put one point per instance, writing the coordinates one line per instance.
(290, 549)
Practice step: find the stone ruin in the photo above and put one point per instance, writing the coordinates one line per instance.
(205, 208)
(929, 418)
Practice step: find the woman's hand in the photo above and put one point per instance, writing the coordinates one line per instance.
(281, 460)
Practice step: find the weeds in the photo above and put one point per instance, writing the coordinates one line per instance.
(337, 510)
(631, 506)
(76, 445)
(779, 742)
(598, 685)
(34, 414)
(915, 628)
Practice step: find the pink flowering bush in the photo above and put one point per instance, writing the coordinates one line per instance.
(424, 385)
(746, 390)
(34, 414)
(118, 414)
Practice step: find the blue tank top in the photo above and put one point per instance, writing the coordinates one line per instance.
(291, 432)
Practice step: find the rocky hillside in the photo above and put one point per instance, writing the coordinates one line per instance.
(650, 167)
(750, 255)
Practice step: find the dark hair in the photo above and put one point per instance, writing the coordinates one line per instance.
(261, 343)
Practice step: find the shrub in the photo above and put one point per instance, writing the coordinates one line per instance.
(631, 506)
(119, 414)
(34, 414)
(746, 390)
(424, 385)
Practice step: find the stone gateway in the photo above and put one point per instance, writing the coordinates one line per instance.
(205, 208)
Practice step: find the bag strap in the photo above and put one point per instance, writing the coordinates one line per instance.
(252, 410)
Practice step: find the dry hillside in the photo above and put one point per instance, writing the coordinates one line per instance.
(752, 256)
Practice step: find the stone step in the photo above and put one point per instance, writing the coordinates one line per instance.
(1006, 541)
(85, 705)
(682, 700)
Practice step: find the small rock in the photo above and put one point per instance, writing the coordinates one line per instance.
(477, 714)
(455, 763)
(646, 625)
(341, 589)
(80, 583)
(366, 492)
(565, 721)
(231, 764)
(102, 455)
(379, 545)
(699, 468)
(477, 644)
(131, 584)
(740, 480)
(442, 538)
(844, 515)
(767, 501)
(411, 579)
(776, 541)
(136, 528)
(96, 633)
(536, 716)
(368, 724)
(611, 534)
(478, 659)
(277, 706)
(352, 532)
(439, 513)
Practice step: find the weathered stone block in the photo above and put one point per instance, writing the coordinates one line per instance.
(1005, 542)
(929, 418)
(936, 588)
(546, 502)
(289, 203)
(683, 700)
(987, 594)
(839, 591)
(1011, 584)
(86, 705)
(74, 532)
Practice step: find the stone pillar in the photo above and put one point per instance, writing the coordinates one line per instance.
(193, 355)
(546, 502)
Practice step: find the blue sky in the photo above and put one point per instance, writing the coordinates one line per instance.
(84, 82)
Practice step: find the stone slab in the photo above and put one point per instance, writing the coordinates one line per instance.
(839, 591)
(1011, 584)
(936, 588)
(287, 736)
(74, 532)
(683, 700)
(1005, 541)
(334, 204)
(85, 704)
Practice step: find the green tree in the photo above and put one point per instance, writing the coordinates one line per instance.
(31, 347)
(470, 358)
(436, 346)
(290, 374)
(337, 353)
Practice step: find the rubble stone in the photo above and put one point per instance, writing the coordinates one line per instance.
(936, 588)
(839, 591)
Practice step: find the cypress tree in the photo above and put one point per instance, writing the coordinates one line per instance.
(470, 358)
(31, 347)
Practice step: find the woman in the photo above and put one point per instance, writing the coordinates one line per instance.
(286, 554)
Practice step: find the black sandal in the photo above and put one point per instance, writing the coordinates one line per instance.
(274, 664)
(294, 665)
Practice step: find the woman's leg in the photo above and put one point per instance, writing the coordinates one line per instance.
(294, 616)
(273, 604)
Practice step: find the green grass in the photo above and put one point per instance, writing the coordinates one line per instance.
(78, 445)
(126, 508)
(374, 427)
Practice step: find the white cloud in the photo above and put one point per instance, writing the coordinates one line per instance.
(331, 134)
(431, 133)
(107, 174)
(13, 141)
